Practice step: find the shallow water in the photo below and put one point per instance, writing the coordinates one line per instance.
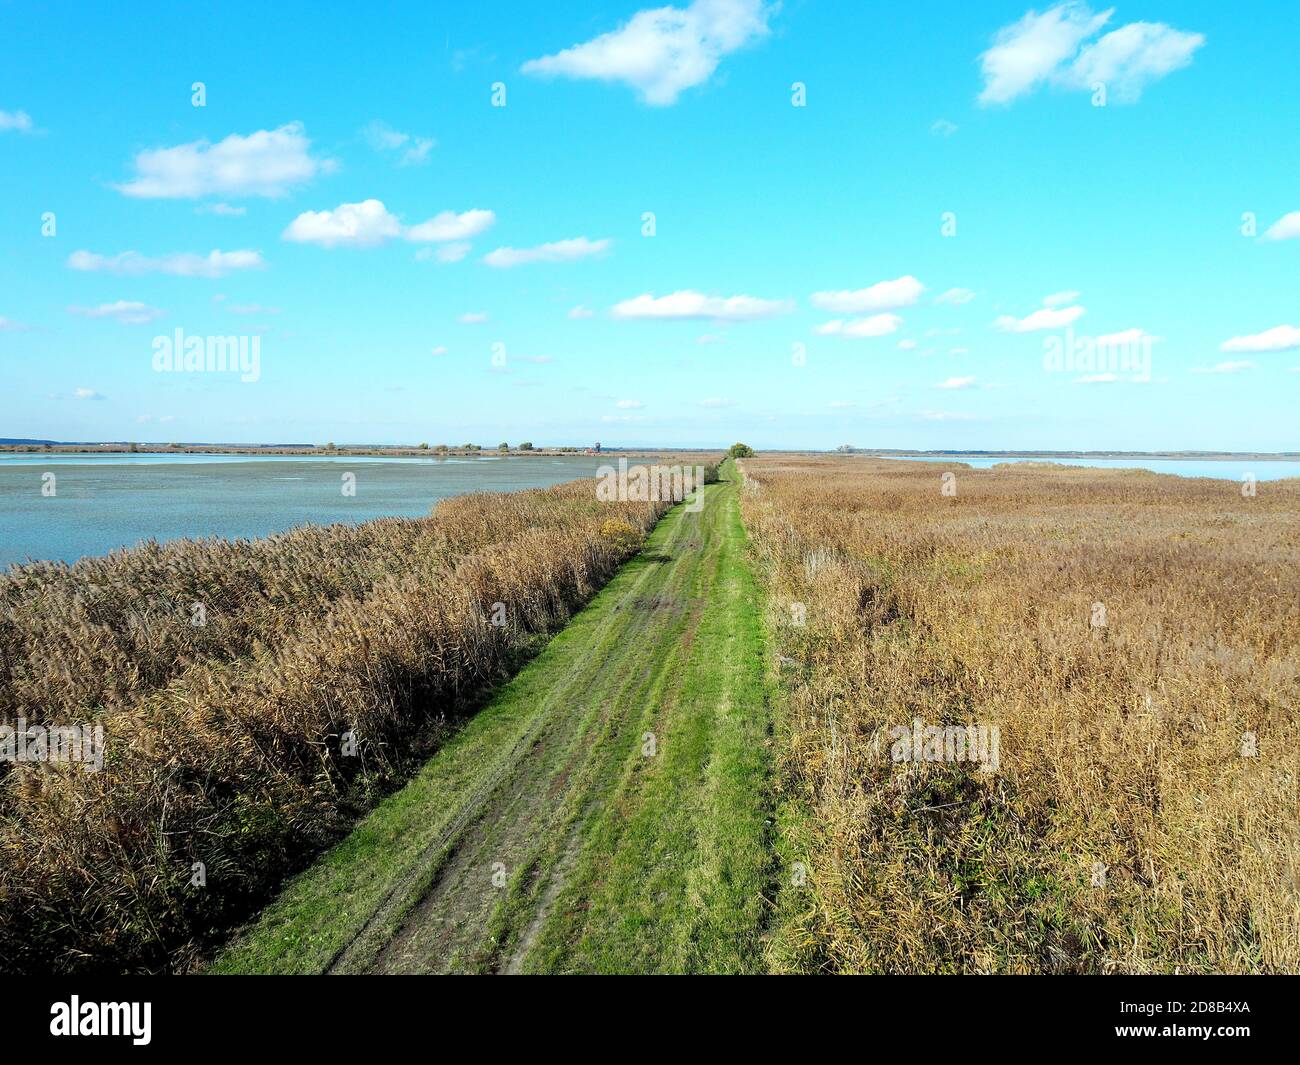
(103, 502)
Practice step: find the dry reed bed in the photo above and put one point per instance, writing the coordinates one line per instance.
(224, 741)
(1123, 745)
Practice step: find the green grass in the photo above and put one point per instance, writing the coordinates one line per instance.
(613, 861)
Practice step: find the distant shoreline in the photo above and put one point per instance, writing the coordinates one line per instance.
(1199, 456)
(43, 448)
(402, 451)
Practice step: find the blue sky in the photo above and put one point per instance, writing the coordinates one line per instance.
(887, 265)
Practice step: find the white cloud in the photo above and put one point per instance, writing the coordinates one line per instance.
(19, 121)
(1059, 299)
(414, 149)
(1285, 228)
(878, 325)
(560, 251)
(8, 325)
(907, 345)
(472, 318)
(1047, 318)
(223, 209)
(87, 393)
(1225, 367)
(580, 312)
(943, 127)
(956, 383)
(690, 304)
(182, 264)
(441, 349)
(661, 51)
(127, 312)
(1050, 47)
(1126, 59)
(446, 253)
(882, 296)
(369, 223)
(449, 226)
(360, 225)
(629, 404)
(1279, 338)
(1124, 338)
(265, 163)
(956, 296)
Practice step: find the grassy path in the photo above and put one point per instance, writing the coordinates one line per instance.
(608, 811)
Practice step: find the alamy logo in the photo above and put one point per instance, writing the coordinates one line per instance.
(103, 1018)
(53, 743)
(196, 354)
(1101, 358)
(647, 484)
(947, 743)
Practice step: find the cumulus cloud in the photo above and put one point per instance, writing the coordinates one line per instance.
(1059, 299)
(1058, 47)
(182, 264)
(882, 296)
(18, 121)
(127, 312)
(410, 149)
(369, 223)
(87, 393)
(662, 51)
(252, 308)
(580, 312)
(560, 251)
(223, 209)
(1225, 367)
(472, 318)
(691, 304)
(268, 163)
(1285, 228)
(438, 351)
(877, 325)
(943, 127)
(629, 404)
(953, 383)
(955, 296)
(1279, 338)
(448, 225)
(1046, 318)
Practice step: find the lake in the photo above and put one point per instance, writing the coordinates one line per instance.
(102, 502)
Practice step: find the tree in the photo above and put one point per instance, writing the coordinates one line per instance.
(424, 447)
(527, 445)
(503, 446)
(330, 446)
(741, 451)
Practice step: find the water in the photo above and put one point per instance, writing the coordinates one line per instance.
(1222, 469)
(103, 502)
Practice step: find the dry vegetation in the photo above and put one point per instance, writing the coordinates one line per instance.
(1123, 744)
(224, 739)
